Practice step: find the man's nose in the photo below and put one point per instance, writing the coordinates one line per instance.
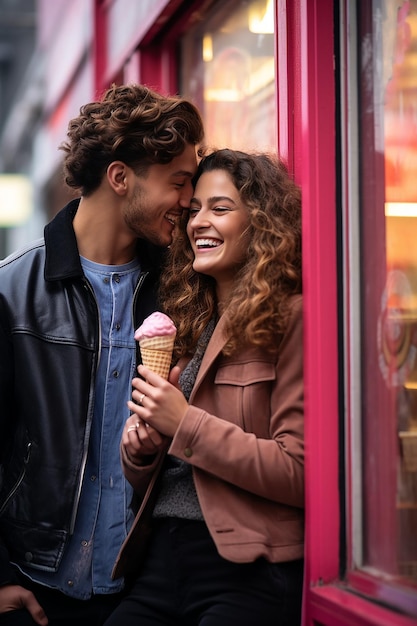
(186, 193)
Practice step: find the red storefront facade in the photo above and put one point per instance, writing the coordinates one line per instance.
(333, 87)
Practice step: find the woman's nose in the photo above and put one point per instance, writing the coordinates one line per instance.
(200, 220)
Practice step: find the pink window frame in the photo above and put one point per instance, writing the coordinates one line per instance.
(306, 81)
(307, 124)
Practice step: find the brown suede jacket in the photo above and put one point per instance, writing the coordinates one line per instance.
(243, 436)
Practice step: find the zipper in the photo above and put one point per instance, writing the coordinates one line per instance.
(89, 288)
(135, 295)
(139, 284)
(19, 480)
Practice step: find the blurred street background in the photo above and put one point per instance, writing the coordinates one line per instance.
(20, 110)
(56, 55)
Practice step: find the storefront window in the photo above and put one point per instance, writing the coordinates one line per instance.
(228, 70)
(388, 223)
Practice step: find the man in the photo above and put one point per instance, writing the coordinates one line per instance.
(69, 305)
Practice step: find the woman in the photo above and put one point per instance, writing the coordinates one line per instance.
(219, 465)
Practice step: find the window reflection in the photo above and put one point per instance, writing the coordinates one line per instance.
(228, 70)
(400, 131)
(389, 251)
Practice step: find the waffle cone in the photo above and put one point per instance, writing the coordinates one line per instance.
(156, 354)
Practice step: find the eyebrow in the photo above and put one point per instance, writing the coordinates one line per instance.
(183, 173)
(214, 199)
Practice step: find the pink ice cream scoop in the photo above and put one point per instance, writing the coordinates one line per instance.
(156, 338)
(156, 325)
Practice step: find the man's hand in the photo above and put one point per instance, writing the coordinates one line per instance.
(14, 597)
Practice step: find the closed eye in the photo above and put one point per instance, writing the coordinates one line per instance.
(221, 209)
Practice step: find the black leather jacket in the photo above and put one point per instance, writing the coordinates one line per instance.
(49, 350)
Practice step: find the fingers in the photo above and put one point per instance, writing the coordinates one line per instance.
(142, 389)
(174, 376)
(14, 597)
(144, 393)
(149, 385)
(139, 438)
(139, 398)
(35, 609)
(157, 401)
(150, 376)
(132, 428)
(139, 429)
(130, 432)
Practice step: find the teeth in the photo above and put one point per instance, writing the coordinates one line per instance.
(207, 243)
(171, 218)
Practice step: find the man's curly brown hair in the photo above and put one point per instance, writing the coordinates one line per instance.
(130, 123)
(258, 307)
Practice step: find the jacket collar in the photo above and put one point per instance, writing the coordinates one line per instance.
(214, 348)
(63, 258)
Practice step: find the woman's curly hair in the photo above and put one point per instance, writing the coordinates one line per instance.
(130, 123)
(258, 308)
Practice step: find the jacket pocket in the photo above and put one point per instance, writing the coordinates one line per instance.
(11, 492)
(245, 373)
(244, 388)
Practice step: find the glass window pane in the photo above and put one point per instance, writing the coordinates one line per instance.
(228, 70)
(388, 106)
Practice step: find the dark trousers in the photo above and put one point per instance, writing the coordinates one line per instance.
(185, 581)
(62, 610)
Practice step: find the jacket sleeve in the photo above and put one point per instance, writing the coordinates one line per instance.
(273, 467)
(139, 476)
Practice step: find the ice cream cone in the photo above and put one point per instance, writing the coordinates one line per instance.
(156, 336)
(157, 353)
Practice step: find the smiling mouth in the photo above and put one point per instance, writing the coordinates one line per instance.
(204, 244)
(172, 218)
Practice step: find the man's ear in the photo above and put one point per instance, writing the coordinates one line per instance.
(117, 176)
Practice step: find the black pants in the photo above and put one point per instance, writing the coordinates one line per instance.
(185, 581)
(62, 610)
